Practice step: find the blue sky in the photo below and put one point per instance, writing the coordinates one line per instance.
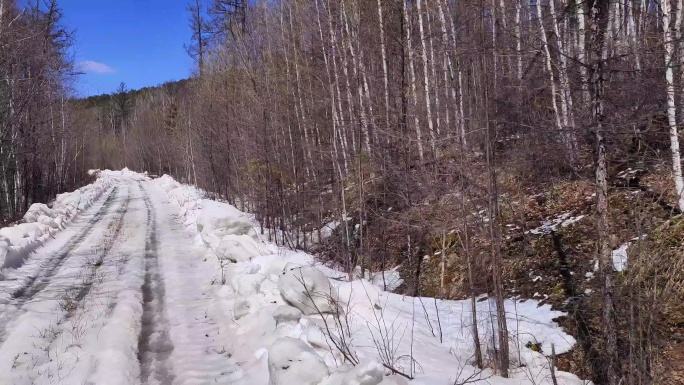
(139, 42)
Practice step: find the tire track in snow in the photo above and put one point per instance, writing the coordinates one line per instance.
(36, 283)
(154, 344)
(201, 354)
(109, 242)
(80, 305)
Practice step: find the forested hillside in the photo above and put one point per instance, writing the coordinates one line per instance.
(42, 145)
(510, 148)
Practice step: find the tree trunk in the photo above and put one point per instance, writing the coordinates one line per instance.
(599, 10)
(581, 52)
(493, 212)
(412, 72)
(385, 76)
(549, 68)
(426, 82)
(671, 108)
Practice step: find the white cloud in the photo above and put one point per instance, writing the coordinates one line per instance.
(90, 66)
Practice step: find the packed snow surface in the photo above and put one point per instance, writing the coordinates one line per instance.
(153, 283)
(41, 222)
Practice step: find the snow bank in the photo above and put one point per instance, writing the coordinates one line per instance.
(227, 233)
(292, 361)
(124, 174)
(42, 221)
(388, 280)
(293, 321)
(307, 289)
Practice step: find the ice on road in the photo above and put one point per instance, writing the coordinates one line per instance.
(138, 281)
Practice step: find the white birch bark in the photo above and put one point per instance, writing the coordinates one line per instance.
(671, 108)
(341, 132)
(582, 52)
(333, 109)
(2, 14)
(287, 67)
(412, 72)
(63, 145)
(504, 25)
(433, 69)
(566, 94)
(518, 38)
(426, 83)
(679, 48)
(461, 110)
(562, 66)
(348, 88)
(460, 121)
(549, 67)
(614, 27)
(370, 131)
(632, 32)
(385, 76)
(495, 56)
(360, 84)
(302, 109)
(445, 68)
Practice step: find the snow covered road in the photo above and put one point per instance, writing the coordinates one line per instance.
(179, 341)
(152, 284)
(91, 305)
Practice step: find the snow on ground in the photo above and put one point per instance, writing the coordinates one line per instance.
(54, 323)
(289, 324)
(41, 222)
(388, 280)
(549, 225)
(154, 284)
(620, 257)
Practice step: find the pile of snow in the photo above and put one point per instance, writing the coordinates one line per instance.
(307, 289)
(293, 321)
(226, 233)
(388, 280)
(550, 225)
(121, 174)
(292, 361)
(187, 198)
(41, 221)
(620, 257)
(328, 229)
(325, 232)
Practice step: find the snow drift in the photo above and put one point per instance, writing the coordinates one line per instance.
(292, 320)
(42, 221)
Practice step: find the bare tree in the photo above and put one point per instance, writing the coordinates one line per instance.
(198, 26)
(306, 117)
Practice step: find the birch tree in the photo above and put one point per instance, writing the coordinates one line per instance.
(669, 43)
(549, 68)
(426, 82)
(412, 80)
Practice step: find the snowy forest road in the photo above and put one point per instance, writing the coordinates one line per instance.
(119, 297)
(32, 283)
(153, 283)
